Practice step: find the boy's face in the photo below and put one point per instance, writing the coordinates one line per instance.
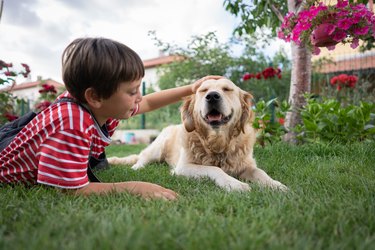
(121, 104)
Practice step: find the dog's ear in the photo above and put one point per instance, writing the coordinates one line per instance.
(247, 112)
(187, 113)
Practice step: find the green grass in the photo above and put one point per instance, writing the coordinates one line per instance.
(331, 205)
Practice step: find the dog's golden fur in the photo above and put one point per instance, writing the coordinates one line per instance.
(216, 139)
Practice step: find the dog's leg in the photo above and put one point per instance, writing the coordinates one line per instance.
(128, 160)
(150, 154)
(154, 152)
(259, 176)
(214, 173)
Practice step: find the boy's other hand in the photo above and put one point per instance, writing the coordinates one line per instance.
(199, 82)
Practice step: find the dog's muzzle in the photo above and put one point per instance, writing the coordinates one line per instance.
(214, 116)
(213, 98)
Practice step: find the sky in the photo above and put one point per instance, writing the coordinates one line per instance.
(36, 32)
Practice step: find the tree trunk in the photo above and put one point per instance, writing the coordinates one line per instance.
(299, 85)
(300, 80)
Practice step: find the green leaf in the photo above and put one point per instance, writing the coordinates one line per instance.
(310, 125)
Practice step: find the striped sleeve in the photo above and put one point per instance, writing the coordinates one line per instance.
(63, 160)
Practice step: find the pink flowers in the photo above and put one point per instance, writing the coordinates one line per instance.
(346, 23)
(267, 73)
(27, 70)
(6, 69)
(344, 81)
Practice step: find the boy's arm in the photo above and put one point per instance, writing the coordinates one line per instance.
(144, 189)
(165, 97)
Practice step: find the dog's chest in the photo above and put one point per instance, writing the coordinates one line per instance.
(228, 156)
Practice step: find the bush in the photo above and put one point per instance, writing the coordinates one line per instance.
(10, 105)
(327, 120)
(269, 120)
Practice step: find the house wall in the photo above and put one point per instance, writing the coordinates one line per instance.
(31, 94)
(151, 78)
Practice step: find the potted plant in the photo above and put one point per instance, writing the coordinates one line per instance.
(320, 25)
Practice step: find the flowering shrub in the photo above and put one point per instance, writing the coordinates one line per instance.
(343, 22)
(10, 74)
(344, 81)
(7, 100)
(48, 94)
(267, 73)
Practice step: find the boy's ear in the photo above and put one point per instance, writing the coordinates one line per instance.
(92, 98)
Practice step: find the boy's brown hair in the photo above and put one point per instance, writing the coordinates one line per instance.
(99, 63)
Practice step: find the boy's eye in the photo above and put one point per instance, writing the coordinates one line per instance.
(134, 92)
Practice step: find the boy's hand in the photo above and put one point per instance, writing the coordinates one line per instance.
(150, 191)
(199, 82)
(144, 189)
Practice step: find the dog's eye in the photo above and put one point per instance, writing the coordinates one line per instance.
(227, 89)
(203, 90)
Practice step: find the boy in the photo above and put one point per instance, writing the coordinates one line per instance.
(103, 79)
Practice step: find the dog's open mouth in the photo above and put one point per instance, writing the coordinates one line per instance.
(215, 118)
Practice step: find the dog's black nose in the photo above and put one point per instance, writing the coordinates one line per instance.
(213, 97)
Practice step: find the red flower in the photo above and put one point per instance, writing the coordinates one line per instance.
(267, 73)
(10, 117)
(46, 88)
(247, 76)
(281, 121)
(10, 73)
(42, 105)
(27, 70)
(344, 80)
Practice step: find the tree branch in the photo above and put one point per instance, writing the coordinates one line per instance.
(277, 12)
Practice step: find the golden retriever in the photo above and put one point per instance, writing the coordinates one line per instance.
(216, 139)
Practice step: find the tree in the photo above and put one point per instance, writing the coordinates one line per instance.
(270, 13)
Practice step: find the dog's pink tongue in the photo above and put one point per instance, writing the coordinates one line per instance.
(212, 118)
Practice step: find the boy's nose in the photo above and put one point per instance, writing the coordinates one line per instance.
(139, 98)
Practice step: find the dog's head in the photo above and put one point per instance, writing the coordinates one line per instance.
(217, 104)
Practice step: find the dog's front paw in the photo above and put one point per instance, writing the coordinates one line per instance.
(137, 166)
(114, 160)
(279, 186)
(232, 184)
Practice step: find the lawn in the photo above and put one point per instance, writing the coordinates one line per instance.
(330, 205)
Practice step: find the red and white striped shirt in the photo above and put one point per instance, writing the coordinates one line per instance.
(53, 149)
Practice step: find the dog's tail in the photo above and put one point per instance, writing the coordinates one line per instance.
(128, 160)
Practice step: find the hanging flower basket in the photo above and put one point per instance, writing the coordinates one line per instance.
(320, 25)
(322, 36)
